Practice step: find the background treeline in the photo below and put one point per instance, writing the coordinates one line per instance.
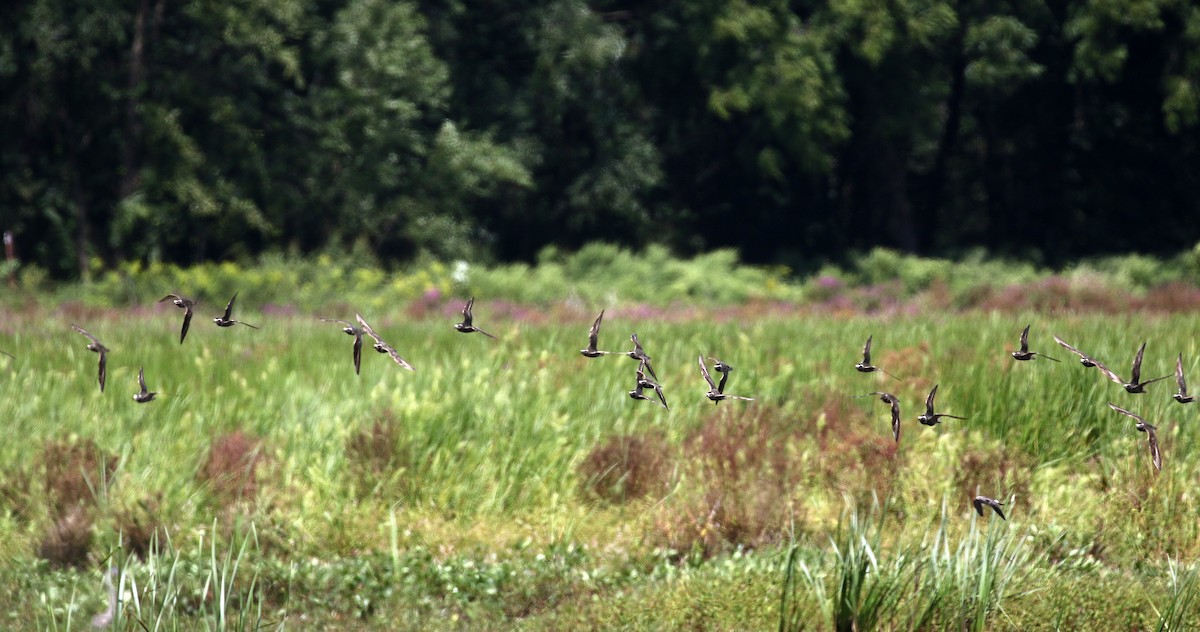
(792, 131)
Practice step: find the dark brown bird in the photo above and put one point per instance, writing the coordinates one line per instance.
(593, 338)
(888, 398)
(1024, 353)
(637, 393)
(145, 395)
(713, 393)
(1151, 435)
(358, 334)
(638, 354)
(931, 418)
(96, 346)
(466, 325)
(1083, 357)
(724, 369)
(1134, 385)
(651, 384)
(186, 304)
(226, 320)
(1182, 396)
(381, 346)
(980, 501)
(865, 366)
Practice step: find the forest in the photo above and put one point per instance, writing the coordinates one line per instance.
(793, 132)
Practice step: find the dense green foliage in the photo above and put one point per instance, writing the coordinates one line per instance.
(792, 132)
(513, 483)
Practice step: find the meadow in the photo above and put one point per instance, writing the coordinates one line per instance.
(513, 483)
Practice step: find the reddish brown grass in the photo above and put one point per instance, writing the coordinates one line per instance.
(69, 540)
(74, 471)
(626, 467)
(231, 469)
(141, 527)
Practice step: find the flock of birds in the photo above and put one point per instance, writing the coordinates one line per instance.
(646, 380)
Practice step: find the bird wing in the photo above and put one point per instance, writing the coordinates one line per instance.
(1136, 371)
(978, 502)
(1152, 437)
(466, 313)
(929, 400)
(486, 333)
(704, 372)
(1107, 371)
(357, 352)
(171, 296)
(1025, 339)
(896, 419)
(103, 370)
(367, 328)
(187, 322)
(1179, 376)
(396, 356)
(867, 350)
(1126, 412)
(229, 307)
(594, 332)
(84, 332)
(1066, 345)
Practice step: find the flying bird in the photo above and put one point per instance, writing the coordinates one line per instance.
(1151, 435)
(1024, 353)
(1084, 359)
(145, 395)
(980, 501)
(865, 366)
(227, 320)
(644, 383)
(465, 326)
(8, 354)
(637, 393)
(380, 345)
(724, 369)
(931, 418)
(638, 354)
(714, 393)
(96, 346)
(1182, 396)
(888, 398)
(357, 333)
(1134, 385)
(593, 337)
(186, 304)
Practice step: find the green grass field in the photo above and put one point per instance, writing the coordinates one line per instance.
(514, 483)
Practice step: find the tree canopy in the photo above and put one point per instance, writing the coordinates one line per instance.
(793, 131)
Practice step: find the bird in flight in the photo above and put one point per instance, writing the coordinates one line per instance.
(638, 354)
(865, 366)
(1024, 353)
(8, 354)
(637, 393)
(593, 338)
(466, 325)
(186, 304)
(357, 333)
(888, 398)
(380, 345)
(1084, 359)
(724, 369)
(1134, 385)
(145, 395)
(1151, 435)
(226, 320)
(96, 346)
(931, 418)
(645, 383)
(714, 393)
(980, 501)
(1182, 396)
